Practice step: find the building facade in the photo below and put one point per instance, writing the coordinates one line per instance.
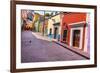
(54, 27)
(70, 28)
(74, 30)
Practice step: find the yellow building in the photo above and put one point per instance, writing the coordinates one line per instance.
(54, 28)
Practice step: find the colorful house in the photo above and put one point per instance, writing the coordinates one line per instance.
(74, 30)
(26, 16)
(46, 27)
(71, 28)
(54, 27)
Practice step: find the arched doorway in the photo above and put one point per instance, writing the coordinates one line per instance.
(65, 35)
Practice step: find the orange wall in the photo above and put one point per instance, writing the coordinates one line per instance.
(74, 17)
(71, 18)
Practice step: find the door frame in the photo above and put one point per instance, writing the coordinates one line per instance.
(71, 35)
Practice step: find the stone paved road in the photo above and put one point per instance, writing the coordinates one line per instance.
(36, 48)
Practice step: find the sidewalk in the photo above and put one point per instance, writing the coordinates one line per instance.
(77, 51)
(40, 36)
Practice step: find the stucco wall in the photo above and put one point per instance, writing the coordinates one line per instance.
(74, 17)
(51, 21)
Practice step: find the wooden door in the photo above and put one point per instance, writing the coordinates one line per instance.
(76, 38)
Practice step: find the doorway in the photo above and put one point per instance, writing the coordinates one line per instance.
(55, 32)
(76, 38)
(50, 31)
(65, 35)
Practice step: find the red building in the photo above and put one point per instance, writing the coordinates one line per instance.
(74, 29)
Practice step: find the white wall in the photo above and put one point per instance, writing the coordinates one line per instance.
(5, 36)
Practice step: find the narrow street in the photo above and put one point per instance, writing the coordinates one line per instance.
(36, 48)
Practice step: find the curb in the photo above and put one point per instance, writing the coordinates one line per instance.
(77, 51)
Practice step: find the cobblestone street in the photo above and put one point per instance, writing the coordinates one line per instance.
(37, 48)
